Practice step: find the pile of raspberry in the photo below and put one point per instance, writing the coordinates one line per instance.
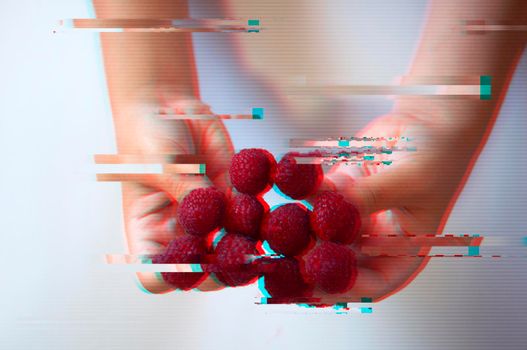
(237, 239)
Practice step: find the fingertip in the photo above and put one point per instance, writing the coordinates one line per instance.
(209, 284)
(150, 283)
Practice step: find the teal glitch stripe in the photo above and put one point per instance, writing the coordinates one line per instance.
(258, 113)
(253, 23)
(485, 87)
(473, 251)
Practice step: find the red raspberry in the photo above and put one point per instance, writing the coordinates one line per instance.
(232, 266)
(244, 215)
(334, 219)
(183, 250)
(297, 180)
(201, 211)
(287, 229)
(251, 170)
(282, 278)
(332, 266)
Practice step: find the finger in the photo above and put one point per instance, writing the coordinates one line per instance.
(155, 228)
(149, 281)
(152, 284)
(210, 284)
(149, 204)
(397, 186)
(213, 142)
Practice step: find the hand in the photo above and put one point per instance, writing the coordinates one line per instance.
(412, 196)
(150, 202)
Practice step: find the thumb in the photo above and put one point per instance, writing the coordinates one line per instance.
(395, 186)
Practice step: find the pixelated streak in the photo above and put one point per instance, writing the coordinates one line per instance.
(127, 177)
(184, 169)
(257, 114)
(133, 169)
(148, 158)
(142, 264)
(289, 300)
(481, 26)
(208, 258)
(346, 160)
(473, 251)
(344, 141)
(505, 241)
(122, 167)
(203, 116)
(317, 305)
(469, 255)
(160, 25)
(389, 245)
(121, 177)
(485, 92)
(334, 148)
(391, 90)
(439, 79)
(423, 241)
(180, 268)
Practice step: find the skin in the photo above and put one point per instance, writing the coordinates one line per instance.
(148, 71)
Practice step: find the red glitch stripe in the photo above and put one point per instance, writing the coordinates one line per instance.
(149, 158)
(127, 177)
(440, 256)
(204, 116)
(183, 169)
(423, 241)
(441, 80)
(89, 23)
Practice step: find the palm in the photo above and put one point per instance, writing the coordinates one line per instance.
(388, 264)
(150, 203)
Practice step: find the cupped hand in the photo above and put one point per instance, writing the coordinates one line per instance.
(406, 200)
(150, 201)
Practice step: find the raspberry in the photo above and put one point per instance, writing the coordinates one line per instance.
(297, 180)
(251, 169)
(332, 266)
(244, 215)
(183, 250)
(333, 219)
(282, 278)
(287, 229)
(201, 211)
(232, 267)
